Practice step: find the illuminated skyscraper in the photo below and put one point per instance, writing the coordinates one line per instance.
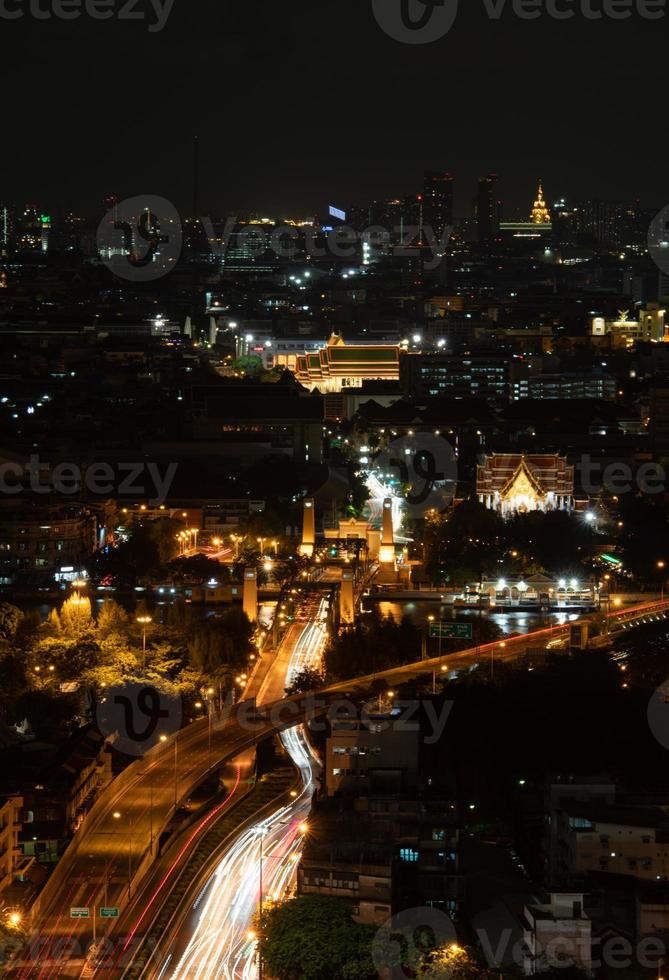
(487, 208)
(438, 201)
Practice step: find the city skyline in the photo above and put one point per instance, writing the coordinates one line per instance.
(351, 136)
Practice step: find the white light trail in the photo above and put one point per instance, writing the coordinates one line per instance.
(220, 946)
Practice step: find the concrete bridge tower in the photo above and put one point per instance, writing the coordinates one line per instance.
(250, 597)
(347, 597)
(387, 549)
(308, 528)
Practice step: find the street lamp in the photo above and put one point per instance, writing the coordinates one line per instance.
(208, 694)
(163, 738)
(260, 831)
(14, 917)
(117, 816)
(144, 622)
(492, 658)
(261, 542)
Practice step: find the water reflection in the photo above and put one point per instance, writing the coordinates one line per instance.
(508, 622)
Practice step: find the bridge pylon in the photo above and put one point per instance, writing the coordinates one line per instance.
(347, 597)
(308, 528)
(250, 596)
(387, 549)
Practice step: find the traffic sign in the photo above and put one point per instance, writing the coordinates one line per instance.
(109, 913)
(80, 913)
(452, 631)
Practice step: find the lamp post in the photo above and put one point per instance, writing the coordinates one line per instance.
(208, 694)
(117, 816)
(261, 542)
(492, 659)
(144, 622)
(660, 566)
(260, 831)
(163, 738)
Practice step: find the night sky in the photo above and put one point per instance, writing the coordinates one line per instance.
(306, 103)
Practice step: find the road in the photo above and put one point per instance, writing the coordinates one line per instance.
(214, 937)
(500, 651)
(95, 866)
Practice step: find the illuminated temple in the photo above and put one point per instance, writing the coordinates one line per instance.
(540, 214)
(338, 365)
(516, 484)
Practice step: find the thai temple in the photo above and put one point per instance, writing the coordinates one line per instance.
(516, 484)
(540, 214)
(339, 366)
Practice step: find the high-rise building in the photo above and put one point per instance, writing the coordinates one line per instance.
(601, 220)
(6, 228)
(487, 208)
(438, 201)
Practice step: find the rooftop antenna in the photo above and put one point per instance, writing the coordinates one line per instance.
(196, 177)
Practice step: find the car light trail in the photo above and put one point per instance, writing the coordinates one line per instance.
(220, 945)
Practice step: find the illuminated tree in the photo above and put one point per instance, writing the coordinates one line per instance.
(112, 619)
(75, 616)
(10, 617)
(315, 938)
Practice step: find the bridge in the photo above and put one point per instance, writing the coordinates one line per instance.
(138, 805)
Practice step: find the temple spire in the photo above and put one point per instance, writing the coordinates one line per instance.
(540, 214)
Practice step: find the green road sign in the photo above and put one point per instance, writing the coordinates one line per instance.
(109, 913)
(452, 631)
(80, 913)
